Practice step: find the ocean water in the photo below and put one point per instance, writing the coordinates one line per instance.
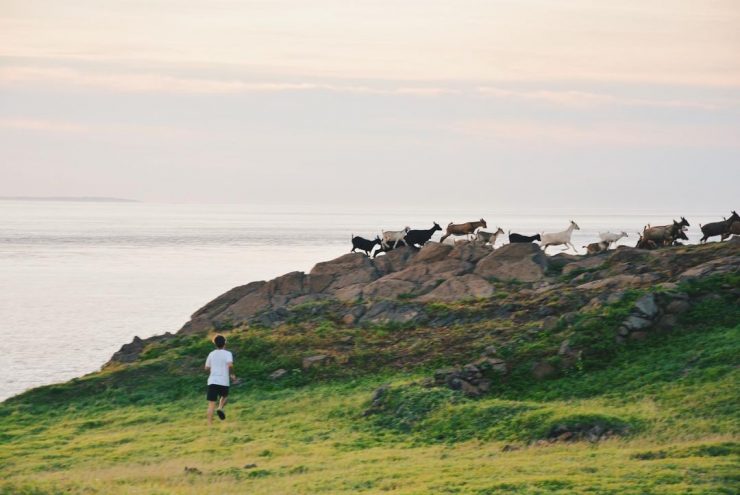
(79, 279)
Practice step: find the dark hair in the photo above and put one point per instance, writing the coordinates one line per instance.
(220, 341)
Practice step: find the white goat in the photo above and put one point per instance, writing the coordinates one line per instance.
(610, 238)
(558, 238)
(394, 236)
(484, 237)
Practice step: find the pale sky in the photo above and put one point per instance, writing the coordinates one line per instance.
(515, 103)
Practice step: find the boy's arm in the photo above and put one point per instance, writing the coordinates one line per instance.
(208, 363)
(231, 370)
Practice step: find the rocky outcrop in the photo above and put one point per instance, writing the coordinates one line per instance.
(439, 272)
(653, 311)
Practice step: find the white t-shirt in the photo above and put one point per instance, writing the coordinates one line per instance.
(218, 361)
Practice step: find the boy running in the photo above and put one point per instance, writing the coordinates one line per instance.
(220, 363)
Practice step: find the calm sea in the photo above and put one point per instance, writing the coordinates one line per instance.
(78, 279)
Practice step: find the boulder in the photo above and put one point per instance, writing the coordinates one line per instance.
(493, 364)
(524, 262)
(647, 306)
(431, 252)
(249, 305)
(277, 374)
(677, 306)
(470, 252)
(584, 264)
(349, 269)
(629, 255)
(635, 322)
(128, 353)
(387, 311)
(290, 284)
(395, 260)
(458, 288)
(315, 361)
(253, 297)
(387, 288)
(621, 282)
(714, 267)
(350, 293)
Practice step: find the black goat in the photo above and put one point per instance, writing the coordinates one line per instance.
(514, 238)
(718, 228)
(421, 237)
(389, 247)
(364, 244)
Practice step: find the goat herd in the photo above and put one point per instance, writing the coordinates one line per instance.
(650, 238)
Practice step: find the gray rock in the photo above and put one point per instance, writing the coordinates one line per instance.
(431, 252)
(635, 322)
(387, 288)
(492, 364)
(389, 311)
(349, 269)
(621, 282)
(459, 288)
(129, 352)
(585, 264)
(277, 374)
(615, 297)
(647, 305)
(524, 262)
(677, 306)
(314, 361)
(470, 252)
(565, 348)
(714, 267)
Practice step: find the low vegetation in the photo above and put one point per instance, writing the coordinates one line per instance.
(664, 408)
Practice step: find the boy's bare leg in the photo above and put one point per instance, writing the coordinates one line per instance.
(222, 402)
(211, 408)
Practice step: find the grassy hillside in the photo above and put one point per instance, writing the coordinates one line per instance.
(669, 402)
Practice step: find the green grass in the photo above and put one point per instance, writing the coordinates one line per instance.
(672, 399)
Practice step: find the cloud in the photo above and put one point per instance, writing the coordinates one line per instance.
(588, 100)
(157, 83)
(621, 134)
(41, 125)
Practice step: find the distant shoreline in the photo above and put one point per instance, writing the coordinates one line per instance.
(78, 199)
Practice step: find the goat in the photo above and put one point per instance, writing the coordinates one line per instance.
(664, 235)
(611, 238)
(394, 236)
(733, 230)
(558, 238)
(643, 243)
(718, 228)
(364, 244)
(488, 237)
(597, 247)
(384, 249)
(517, 238)
(680, 235)
(463, 228)
(421, 237)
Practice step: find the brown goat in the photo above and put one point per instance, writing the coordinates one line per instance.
(463, 228)
(597, 247)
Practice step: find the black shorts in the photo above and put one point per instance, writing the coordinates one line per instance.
(216, 391)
